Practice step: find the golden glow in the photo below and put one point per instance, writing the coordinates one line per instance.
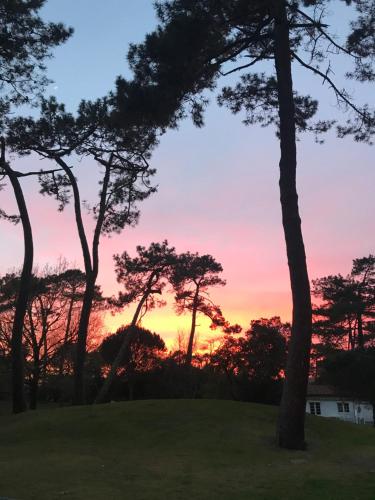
(169, 325)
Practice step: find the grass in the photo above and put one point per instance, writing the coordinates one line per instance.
(177, 450)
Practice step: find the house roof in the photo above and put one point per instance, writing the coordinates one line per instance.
(321, 390)
(328, 391)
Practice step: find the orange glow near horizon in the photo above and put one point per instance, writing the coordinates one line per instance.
(168, 324)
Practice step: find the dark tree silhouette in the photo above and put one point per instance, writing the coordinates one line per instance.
(122, 157)
(56, 296)
(142, 277)
(266, 348)
(19, 403)
(346, 317)
(73, 290)
(49, 326)
(193, 275)
(194, 44)
(142, 353)
(261, 352)
(258, 357)
(25, 42)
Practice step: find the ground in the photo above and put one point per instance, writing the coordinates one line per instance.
(177, 450)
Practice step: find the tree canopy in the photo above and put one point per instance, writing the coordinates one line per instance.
(26, 41)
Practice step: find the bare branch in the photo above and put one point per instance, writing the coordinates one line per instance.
(319, 26)
(339, 93)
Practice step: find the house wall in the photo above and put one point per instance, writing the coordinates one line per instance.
(359, 412)
(364, 413)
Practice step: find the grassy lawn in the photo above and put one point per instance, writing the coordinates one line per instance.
(179, 449)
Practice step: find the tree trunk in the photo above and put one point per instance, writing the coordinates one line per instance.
(34, 382)
(35, 372)
(18, 393)
(91, 270)
(360, 339)
(84, 320)
(66, 337)
(351, 341)
(189, 353)
(79, 364)
(291, 423)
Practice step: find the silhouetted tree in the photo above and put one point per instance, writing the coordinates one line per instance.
(259, 357)
(142, 277)
(192, 276)
(346, 317)
(25, 42)
(266, 348)
(73, 291)
(49, 324)
(142, 352)
(228, 359)
(19, 403)
(61, 137)
(194, 44)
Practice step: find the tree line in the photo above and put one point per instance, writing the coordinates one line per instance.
(134, 363)
(193, 47)
(56, 299)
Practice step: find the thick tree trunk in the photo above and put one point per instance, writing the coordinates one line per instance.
(18, 393)
(189, 352)
(292, 409)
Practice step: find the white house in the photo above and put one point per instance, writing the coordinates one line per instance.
(325, 401)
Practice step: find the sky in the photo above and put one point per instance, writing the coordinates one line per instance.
(217, 186)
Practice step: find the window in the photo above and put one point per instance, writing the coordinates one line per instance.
(315, 408)
(343, 407)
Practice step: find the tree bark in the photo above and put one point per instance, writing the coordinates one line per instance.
(290, 432)
(18, 393)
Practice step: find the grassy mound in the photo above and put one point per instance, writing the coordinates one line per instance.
(179, 449)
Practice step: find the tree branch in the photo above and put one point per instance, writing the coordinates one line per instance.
(319, 27)
(339, 93)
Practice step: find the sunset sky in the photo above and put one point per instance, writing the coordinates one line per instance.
(218, 186)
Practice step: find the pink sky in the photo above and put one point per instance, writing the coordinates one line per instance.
(218, 189)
